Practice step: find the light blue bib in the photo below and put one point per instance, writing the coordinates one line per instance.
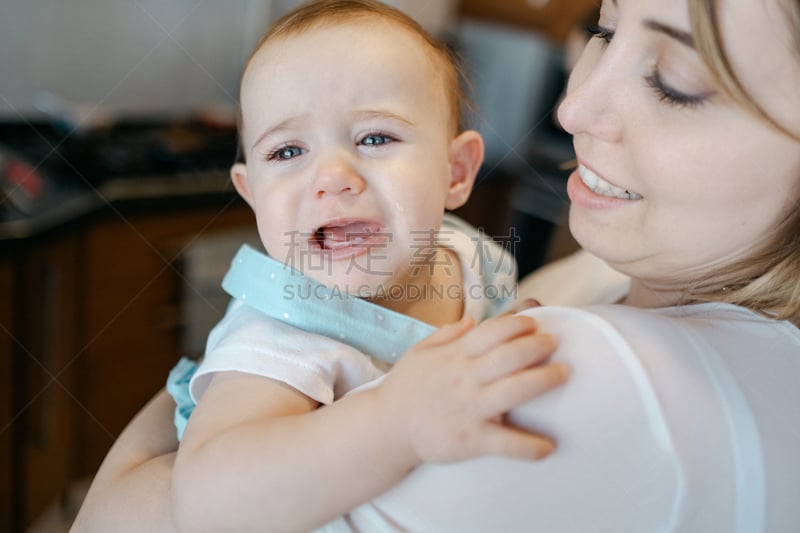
(289, 296)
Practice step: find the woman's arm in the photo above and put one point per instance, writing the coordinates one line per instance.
(131, 491)
(256, 454)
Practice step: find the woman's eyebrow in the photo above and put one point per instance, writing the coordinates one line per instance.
(681, 36)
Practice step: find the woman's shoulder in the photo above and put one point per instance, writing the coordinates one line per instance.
(728, 332)
(701, 329)
(712, 351)
(651, 437)
(712, 387)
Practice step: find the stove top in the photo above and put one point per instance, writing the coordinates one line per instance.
(133, 149)
(48, 174)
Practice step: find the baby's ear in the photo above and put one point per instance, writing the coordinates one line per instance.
(466, 158)
(239, 179)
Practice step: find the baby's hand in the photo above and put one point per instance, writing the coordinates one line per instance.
(527, 303)
(522, 305)
(449, 393)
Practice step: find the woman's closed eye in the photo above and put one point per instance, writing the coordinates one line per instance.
(600, 32)
(673, 96)
(664, 92)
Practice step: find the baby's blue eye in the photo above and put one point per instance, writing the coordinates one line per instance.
(375, 140)
(285, 152)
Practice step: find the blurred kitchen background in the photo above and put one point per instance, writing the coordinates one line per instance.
(117, 218)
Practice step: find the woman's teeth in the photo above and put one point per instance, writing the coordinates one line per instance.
(600, 186)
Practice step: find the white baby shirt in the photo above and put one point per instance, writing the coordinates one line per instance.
(332, 354)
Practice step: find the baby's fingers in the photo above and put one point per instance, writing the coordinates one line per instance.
(515, 355)
(520, 387)
(497, 331)
(515, 443)
(522, 305)
(447, 333)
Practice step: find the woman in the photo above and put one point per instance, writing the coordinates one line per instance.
(683, 411)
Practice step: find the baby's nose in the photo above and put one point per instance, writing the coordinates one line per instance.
(337, 178)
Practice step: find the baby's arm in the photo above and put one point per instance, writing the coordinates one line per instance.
(258, 455)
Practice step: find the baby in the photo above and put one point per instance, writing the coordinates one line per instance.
(351, 129)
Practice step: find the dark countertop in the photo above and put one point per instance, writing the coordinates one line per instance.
(67, 175)
(72, 204)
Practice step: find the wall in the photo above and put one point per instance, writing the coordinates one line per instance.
(86, 59)
(551, 18)
(129, 57)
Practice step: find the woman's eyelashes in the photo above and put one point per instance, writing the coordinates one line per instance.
(672, 96)
(600, 32)
(664, 92)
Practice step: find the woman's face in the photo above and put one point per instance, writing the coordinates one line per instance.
(675, 180)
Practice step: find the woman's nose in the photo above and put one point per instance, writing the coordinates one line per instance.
(589, 104)
(335, 177)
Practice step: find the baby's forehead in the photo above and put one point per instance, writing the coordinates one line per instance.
(374, 41)
(386, 47)
(347, 28)
(381, 56)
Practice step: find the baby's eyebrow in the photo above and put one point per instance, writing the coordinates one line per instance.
(380, 113)
(289, 123)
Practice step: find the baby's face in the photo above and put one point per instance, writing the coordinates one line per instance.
(346, 132)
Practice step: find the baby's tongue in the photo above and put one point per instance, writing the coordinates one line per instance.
(345, 234)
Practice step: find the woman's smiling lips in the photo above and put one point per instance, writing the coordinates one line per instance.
(600, 186)
(587, 189)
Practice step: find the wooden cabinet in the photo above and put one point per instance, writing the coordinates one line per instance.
(47, 352)
(6, 393)
(132, 282)
(89, 328)
(37, 352)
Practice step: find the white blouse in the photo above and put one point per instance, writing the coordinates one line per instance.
(681, 419)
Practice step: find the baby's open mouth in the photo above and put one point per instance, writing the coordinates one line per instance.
(339, 235)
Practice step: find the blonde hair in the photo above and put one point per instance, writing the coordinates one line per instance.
(768, 282)
(323, 13)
